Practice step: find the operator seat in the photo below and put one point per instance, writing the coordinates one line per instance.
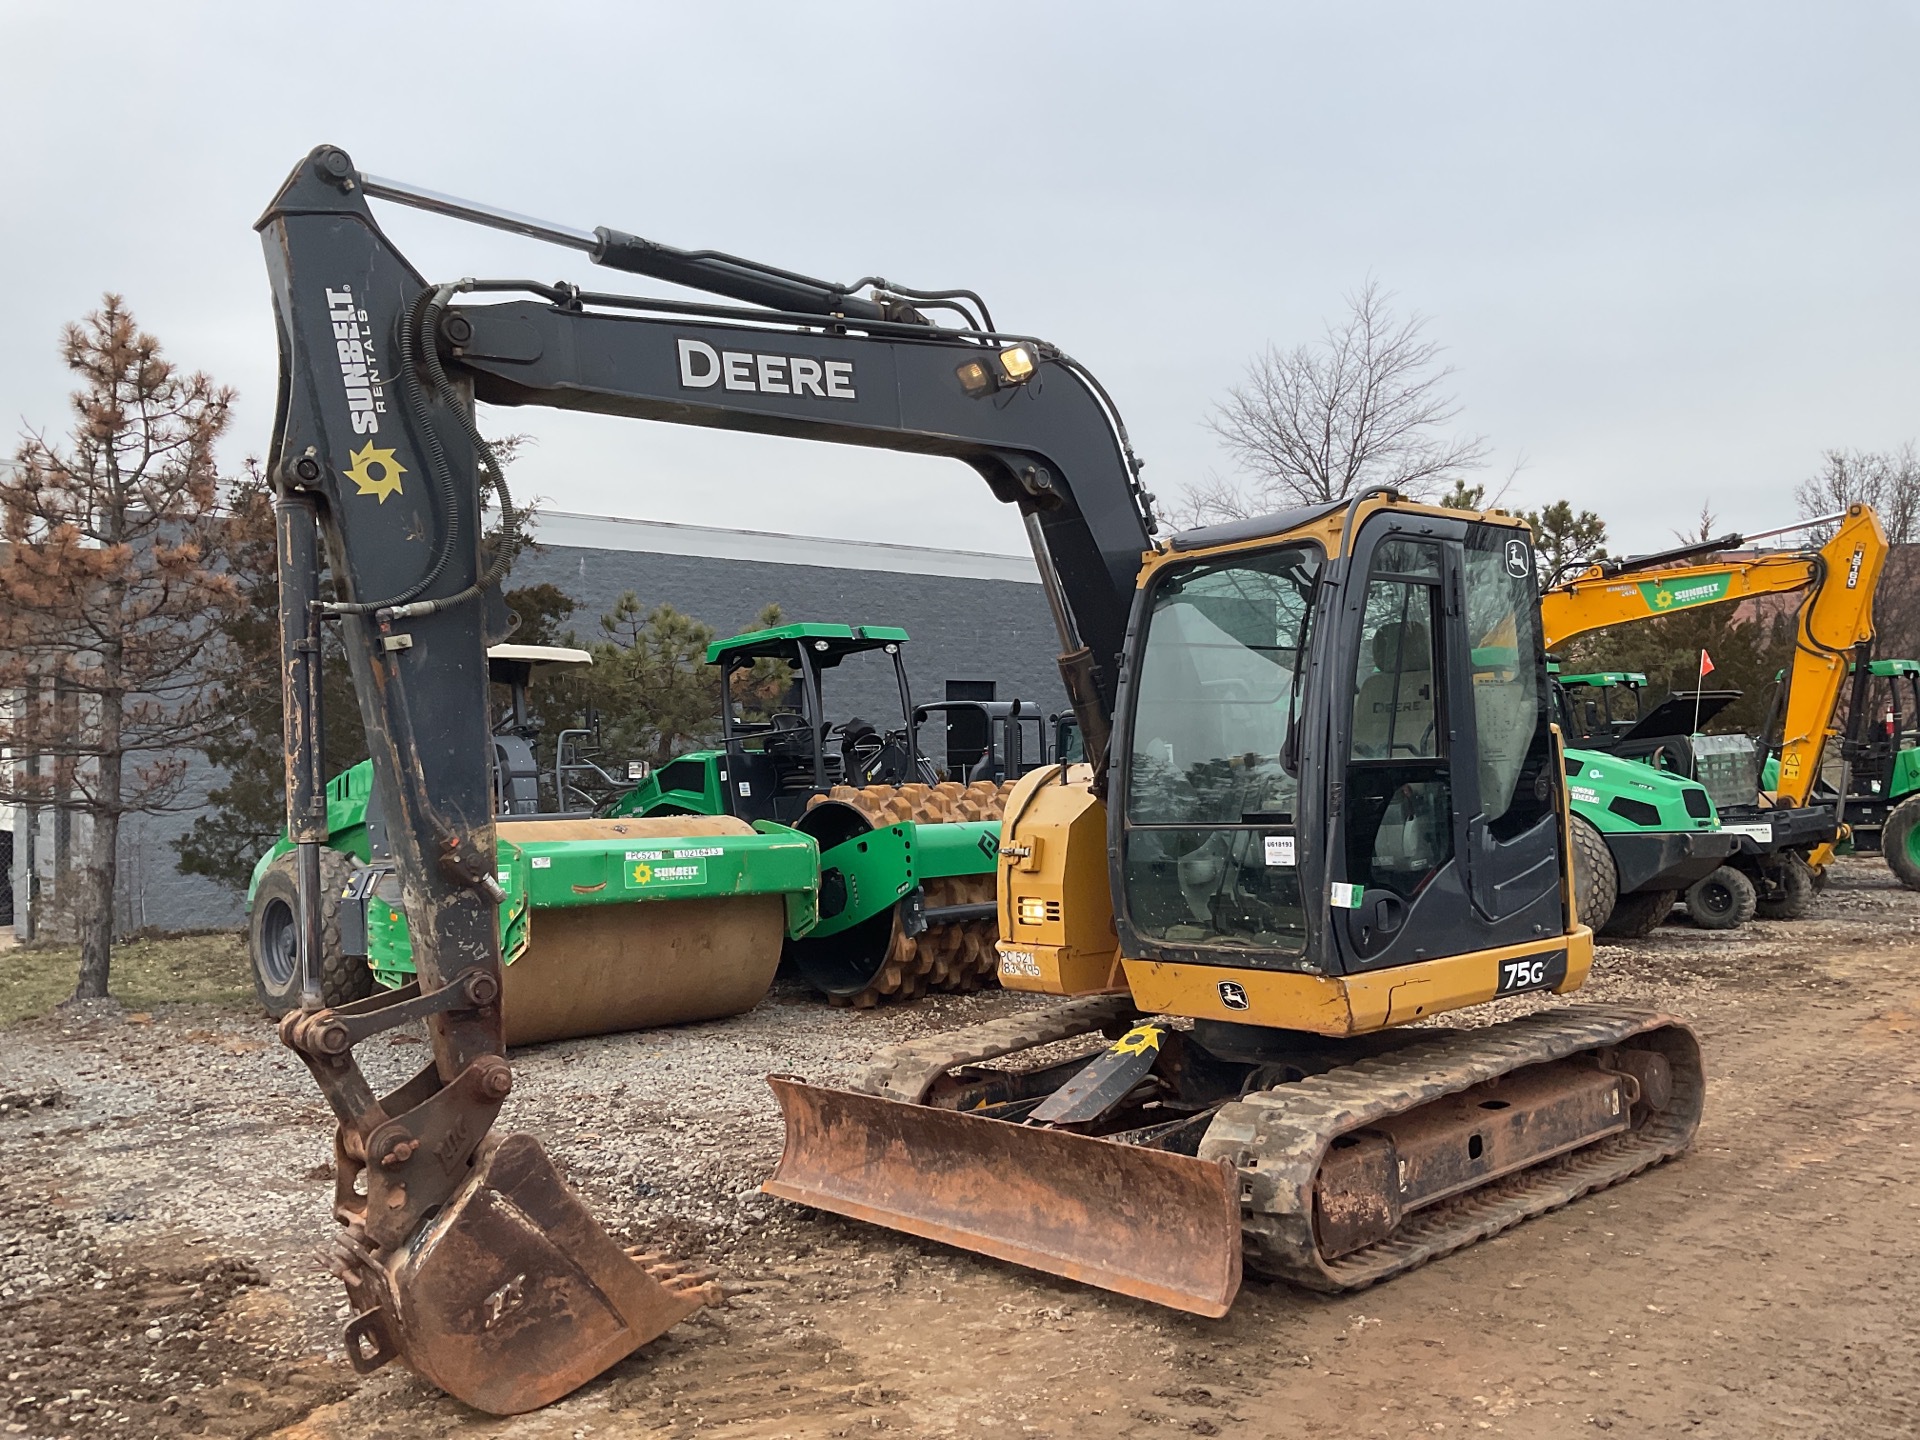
(1393, 712)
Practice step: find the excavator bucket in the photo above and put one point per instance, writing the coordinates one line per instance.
(1149, 1223)
(513, 1295)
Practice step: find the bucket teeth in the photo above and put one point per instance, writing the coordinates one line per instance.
(685, 1279)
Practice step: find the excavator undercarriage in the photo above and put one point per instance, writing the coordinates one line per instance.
(1334, 1168)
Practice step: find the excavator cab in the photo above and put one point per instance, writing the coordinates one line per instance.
(1431, 768)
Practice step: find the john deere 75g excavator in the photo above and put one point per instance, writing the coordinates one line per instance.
(1327, 804)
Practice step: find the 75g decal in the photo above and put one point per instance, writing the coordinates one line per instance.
(1532, 972)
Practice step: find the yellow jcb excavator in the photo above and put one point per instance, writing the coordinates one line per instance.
(1327, 807)
(1786, 840)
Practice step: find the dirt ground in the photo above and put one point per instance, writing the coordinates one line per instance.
(162, 1179)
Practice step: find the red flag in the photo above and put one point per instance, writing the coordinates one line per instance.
(1706, 664)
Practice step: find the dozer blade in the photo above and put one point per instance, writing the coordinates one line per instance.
(513, 1295)
(1143, 1222)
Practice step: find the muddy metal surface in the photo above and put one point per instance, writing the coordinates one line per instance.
(162, 1187)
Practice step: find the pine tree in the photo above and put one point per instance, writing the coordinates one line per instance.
(112, 596)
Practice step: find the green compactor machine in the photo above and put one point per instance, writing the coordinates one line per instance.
(836, 847)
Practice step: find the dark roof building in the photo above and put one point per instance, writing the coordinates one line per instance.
(972, 616)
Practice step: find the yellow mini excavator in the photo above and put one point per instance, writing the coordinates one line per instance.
(1332, 811)
(1326, 807)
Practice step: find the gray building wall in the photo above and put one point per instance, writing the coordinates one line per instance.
(971, 616)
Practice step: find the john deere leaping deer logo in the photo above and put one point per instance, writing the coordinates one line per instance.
(375, 472)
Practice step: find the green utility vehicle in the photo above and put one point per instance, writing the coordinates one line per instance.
(1606, 711)
(1882, 755)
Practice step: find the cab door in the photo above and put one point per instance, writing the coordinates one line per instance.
(1512, 839)
(1447, 837)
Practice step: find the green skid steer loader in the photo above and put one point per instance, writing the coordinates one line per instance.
(1642, 839)
(1607, 715)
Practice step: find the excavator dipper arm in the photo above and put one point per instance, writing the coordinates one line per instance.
(464, 1253)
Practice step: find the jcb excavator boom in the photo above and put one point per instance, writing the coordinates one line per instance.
(1834, 626)
(462, 1253)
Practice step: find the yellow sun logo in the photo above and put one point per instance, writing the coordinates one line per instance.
(1138, 1040)
(642, 874)
(1663, 598)
(375, 472)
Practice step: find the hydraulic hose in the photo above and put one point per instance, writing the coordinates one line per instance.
(418, 351)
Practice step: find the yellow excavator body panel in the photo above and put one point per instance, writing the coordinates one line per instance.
(1352, 1004)
(1056, 914)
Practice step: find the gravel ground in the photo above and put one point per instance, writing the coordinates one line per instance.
(164, 1178)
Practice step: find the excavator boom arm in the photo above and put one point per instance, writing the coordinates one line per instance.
(443, 1224)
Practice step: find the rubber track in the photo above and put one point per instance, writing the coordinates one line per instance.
(907, 1070)
(1277, 1139)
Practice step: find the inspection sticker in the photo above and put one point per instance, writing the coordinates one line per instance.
(1279, 849)
(1345, 896)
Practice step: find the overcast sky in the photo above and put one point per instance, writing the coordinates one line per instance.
(1671, 249)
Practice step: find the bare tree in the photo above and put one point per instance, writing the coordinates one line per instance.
(110, 600)
(1365, 405)
(1888, 480)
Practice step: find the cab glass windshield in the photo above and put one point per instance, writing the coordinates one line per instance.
(1210, 804)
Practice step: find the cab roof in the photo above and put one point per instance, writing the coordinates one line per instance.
(829, 642)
